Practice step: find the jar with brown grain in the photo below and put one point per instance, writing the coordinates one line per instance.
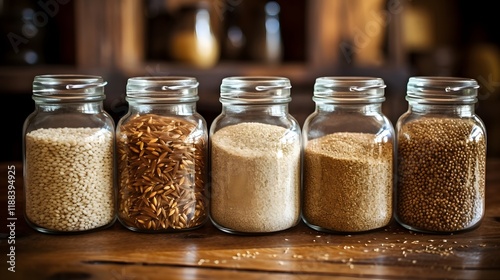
(348, 157)
(68, 156)
(162, 156)
(441, 160)
(255, 157)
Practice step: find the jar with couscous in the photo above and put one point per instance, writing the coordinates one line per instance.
(255, 157)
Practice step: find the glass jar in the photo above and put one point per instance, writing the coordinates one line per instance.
(193, 38)
(162, 146)
(348, 157)
(68, 156)
(255, 157)
(441, 157)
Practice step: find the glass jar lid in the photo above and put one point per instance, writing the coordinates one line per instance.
(349, 90)
(162, 89)
(442, 90)
(255, 89)
(68, 88)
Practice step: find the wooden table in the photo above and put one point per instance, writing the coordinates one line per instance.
(206, 253)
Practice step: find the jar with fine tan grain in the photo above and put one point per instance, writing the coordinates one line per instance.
(348, 157)
(255, 149)
(162, 150)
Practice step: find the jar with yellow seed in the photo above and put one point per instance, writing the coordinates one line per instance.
(441, 160)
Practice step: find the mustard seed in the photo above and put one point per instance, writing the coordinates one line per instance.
(441, 174)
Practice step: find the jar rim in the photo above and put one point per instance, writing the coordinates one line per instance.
(442, 89)
(68, 87)
(161, 78)
(162, 89)
(255, 89)
(51, 78)
(349, 89)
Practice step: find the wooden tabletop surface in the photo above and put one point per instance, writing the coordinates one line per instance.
(207, 253)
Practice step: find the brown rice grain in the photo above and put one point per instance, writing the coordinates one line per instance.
(152, 176)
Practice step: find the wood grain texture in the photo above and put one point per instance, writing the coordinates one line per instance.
(298, 253)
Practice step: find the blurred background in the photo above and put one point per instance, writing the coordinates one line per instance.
(210, 40)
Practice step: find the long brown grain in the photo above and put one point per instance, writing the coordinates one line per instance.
(162, 174)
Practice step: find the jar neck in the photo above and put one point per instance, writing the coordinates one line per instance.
(455, 110)
(187, 108)
(277, 109)
(84, 107)
(349, 108)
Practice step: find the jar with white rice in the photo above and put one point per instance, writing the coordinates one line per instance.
(68, 156)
